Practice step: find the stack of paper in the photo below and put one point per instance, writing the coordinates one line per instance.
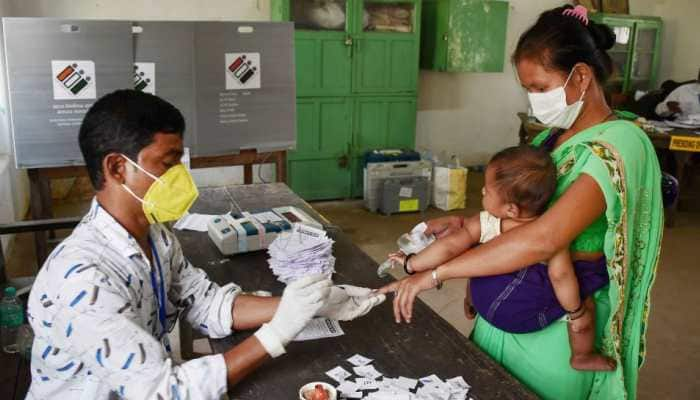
(368, 384)
(303, 251)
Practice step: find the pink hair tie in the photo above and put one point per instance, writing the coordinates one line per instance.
(579, 12)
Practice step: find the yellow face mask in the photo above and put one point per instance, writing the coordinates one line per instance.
(169, 196)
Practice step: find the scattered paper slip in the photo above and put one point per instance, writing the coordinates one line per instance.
(367, 371)
(340, 374)
(194, 222)
(359, 360)
(320, 328)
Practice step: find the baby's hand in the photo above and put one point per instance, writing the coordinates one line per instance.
(398, 257)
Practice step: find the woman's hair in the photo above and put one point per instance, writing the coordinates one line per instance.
(561, 41)
(526, 176)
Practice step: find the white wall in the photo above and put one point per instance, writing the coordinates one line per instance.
(473, 115)
(680, 52)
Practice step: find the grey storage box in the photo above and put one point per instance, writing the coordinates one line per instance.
(405, 195)
(376, 173)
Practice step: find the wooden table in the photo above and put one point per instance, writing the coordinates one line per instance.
(529, 128)
(428, 345)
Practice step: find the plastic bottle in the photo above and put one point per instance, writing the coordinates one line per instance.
(11, 318)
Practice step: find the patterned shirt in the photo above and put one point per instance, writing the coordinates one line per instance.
(96, 321)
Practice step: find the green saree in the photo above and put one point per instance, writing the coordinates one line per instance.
(622, 160)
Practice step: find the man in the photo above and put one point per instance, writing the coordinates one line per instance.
(106, 297)
(682, 102)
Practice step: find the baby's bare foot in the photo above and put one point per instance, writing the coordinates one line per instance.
(593, 362)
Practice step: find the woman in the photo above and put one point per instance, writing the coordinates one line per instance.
(608, 203)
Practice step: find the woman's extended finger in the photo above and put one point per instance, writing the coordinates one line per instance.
(397, 310)
(392, 287)
(406, 302)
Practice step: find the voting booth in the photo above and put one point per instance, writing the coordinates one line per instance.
(232, 81)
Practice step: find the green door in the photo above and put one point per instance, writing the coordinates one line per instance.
(386, 53)
(381, 123)
(319, 167)
(323, 63)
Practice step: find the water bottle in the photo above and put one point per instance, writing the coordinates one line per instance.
(11, 318)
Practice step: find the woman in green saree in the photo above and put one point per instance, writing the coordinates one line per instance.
(607, 204)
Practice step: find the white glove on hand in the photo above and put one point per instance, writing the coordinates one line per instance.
(300, 302)
(347, 302)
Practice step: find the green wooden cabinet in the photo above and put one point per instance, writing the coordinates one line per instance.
(464, 35)
(319, 168)
(356, 90)
(636, 53)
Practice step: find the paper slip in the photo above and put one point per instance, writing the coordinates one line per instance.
(406, 383)
(359, 360)
(302, 252)
(194, 222)
(458, 383)
(366, 383)
(429, 380)
(320, 328)
(339, 374)
(367, 371)
(352, 395)
(347, 386)
(389, 396)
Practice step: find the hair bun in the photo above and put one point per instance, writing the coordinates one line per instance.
(603, 36)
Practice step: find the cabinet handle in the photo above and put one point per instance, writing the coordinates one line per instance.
(444, 37)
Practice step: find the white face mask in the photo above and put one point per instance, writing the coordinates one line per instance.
(551, 108)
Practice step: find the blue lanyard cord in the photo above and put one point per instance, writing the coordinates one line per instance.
(159, 293)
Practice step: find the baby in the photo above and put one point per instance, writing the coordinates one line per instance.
(519, 184)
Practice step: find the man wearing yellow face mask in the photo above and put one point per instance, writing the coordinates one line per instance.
(106, 297)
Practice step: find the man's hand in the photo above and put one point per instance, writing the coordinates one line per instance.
(346, 302)
(300, 302)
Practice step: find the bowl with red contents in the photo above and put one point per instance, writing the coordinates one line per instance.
(318, 391)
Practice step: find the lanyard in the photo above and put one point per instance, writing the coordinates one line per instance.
(159, 294)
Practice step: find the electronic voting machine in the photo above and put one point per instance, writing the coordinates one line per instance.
(249, 231)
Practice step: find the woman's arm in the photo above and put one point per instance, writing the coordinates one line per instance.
(443, 226)
(582, 203)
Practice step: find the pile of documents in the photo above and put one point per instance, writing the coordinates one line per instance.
(373, 385)
(303, 251)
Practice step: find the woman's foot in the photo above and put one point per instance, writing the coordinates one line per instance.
(593, 362)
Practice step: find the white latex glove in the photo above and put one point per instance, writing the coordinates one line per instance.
(347, 302)
(300, 302)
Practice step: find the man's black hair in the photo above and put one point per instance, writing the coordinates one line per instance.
(124, 121)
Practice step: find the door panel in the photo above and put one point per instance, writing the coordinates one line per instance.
(323, 63)
(318, 168)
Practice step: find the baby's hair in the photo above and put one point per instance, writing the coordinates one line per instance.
(525, 176)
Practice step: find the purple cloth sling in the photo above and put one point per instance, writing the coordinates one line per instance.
(524, 301)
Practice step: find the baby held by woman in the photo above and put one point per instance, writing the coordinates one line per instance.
(519, 184)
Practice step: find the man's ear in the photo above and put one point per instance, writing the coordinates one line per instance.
(114, 168)
(512, 210)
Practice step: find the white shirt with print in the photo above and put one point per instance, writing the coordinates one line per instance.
(94, 315)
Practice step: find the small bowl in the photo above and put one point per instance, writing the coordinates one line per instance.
(332, 393)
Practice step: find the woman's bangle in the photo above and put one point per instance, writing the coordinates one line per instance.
(405, 264)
